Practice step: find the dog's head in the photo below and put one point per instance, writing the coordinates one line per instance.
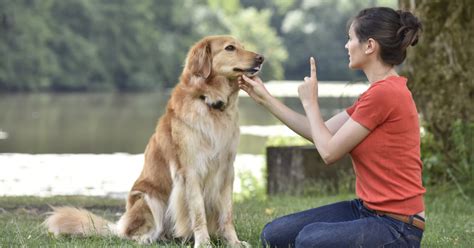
(222, 56)
(212, 67)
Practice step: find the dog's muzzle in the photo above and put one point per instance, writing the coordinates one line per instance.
(257, 66)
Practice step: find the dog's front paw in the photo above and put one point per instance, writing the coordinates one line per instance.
(240, 244)
(147, 239)
(245, 244)
(203, 244)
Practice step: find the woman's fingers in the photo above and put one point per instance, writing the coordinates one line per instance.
(249, 80)
(312, 63)
(247, 83)
(243, 85)
(307, 80)
(313, 78)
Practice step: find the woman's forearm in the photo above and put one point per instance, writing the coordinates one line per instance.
(294, 120)
(319, 132)
(299, 123)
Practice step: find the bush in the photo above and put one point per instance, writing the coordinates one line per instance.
(449, 166)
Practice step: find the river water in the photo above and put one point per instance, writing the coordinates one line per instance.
(76, 143)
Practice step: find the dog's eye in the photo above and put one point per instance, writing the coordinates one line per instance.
(230, 48)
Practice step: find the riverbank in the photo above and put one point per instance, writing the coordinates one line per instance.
(110, 175)
(286, 88)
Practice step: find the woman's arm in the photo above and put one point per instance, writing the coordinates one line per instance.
(294, 120)
(336, 122)
(331, 146)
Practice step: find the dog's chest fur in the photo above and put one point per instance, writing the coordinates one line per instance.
(205, 131)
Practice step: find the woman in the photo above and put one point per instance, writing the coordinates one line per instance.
(380, 131)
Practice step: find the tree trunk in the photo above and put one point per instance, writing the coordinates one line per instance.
(441, 77)
(300, 170)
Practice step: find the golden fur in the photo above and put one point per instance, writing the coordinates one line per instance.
(185, 187)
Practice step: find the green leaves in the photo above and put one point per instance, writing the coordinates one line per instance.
(125, 45)
(141, 45)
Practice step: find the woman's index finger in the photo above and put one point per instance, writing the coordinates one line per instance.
(248, 80)
(313, 68)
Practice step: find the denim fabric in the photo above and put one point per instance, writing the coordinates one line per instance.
(342, 224)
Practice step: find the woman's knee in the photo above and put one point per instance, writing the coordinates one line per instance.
(267, 237)
(263, 238)
(275, 235)
(312, 236)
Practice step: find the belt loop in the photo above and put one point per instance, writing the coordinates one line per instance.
(410, 219)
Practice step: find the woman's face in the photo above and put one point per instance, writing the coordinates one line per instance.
(357, 56)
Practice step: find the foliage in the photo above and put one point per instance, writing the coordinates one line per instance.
(137, 45)
(436, 171)
(442, 81)
(125, 45)
(315, 28)
(251, 187)
(261, 38)
(22, 32)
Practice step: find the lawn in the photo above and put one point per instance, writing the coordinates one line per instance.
(450, 219)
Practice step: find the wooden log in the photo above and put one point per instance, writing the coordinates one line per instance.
(298, 169)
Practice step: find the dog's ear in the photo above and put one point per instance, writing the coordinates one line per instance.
(199, 60)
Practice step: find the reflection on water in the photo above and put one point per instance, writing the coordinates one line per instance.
(3, 135)
(112, 122)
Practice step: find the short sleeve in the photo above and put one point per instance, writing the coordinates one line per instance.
(373, 107)
(351, 109)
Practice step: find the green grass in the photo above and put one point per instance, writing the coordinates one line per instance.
(450, 219)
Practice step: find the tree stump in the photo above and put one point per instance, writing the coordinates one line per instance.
(297, 170)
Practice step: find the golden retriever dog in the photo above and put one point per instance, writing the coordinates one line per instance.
(185, 187)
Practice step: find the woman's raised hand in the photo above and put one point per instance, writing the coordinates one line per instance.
(308, 91)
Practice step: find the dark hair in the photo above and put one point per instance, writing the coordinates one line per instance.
(393, 30)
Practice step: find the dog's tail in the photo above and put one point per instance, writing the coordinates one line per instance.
(77, 221)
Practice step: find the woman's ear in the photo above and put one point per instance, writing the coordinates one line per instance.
(371, 46)
(199, 60)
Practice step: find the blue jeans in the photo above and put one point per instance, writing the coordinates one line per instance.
(342, 224)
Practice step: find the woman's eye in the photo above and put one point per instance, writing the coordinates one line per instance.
(230, 48)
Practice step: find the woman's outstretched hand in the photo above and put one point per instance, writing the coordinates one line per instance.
(308, 91)
(255, 88)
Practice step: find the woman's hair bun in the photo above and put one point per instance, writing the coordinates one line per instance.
(394, 30)
(409, 29)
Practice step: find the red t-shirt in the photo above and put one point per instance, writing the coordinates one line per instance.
(387, 162)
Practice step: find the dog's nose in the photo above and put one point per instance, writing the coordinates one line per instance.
(259, 58)
(218, 105)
